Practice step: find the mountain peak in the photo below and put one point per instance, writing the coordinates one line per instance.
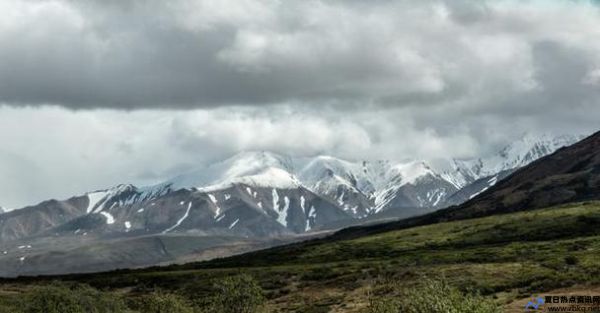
(247, 167)
(410, 172)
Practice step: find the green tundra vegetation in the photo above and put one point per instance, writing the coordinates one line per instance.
(429, 295)
(236, 294)
(474, 265)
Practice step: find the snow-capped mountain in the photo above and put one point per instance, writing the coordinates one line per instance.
(517, 154)
(256, 197)
(343, 183)
(370, 187)
(267, 194)
(262, 168)
(414, 188)
(474, 176)
(254, 194)
(411, 185)
(359, 188)
(242, 209)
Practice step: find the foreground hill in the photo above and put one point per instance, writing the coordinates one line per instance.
(504, 257)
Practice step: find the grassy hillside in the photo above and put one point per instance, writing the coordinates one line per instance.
(503, 257)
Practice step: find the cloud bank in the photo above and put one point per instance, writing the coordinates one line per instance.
(94, 93)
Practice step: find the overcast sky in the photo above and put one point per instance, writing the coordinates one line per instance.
(95, 93)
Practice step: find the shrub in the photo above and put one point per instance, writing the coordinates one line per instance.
(432, 296)
(571, 260)
(61, 298)
(8, 308)
(160, 302)
(383, 305)
(237, 294)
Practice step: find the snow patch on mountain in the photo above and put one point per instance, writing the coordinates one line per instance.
(275, 197)
(302, 204)
(383, 198)
(187, 213)
(214, 201)
(312, 215)
(234, 223)
(283, 212)
(95, 198)
(109, 218)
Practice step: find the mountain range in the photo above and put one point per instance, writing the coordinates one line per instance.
(570, 175)
(249, 201)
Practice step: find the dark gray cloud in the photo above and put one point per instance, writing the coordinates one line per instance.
(193, 54)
